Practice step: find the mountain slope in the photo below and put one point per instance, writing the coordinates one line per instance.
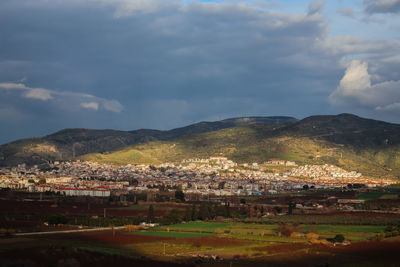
(70, 143)
(354, 143)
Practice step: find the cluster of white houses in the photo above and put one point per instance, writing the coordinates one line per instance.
(216, 175)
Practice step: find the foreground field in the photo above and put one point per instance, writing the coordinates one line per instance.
(202, 243)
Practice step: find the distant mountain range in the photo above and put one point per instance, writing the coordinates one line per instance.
(71, 143)
(369, 146)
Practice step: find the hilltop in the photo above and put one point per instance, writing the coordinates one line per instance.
(369, 146)
(70, 143)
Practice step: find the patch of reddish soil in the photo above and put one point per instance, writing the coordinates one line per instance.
(49, 207)
(122, 237)
(63, 256)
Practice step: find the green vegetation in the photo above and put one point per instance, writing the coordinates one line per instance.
(173, 234)
(353, 143)
(69, 143)
(57, 219)
(198, 226)
(337, 144)
(376, 195)
(228, 240)
(346, 228)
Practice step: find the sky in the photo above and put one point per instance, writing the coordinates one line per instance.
(162, 64)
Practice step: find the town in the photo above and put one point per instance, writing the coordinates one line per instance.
(197, 178)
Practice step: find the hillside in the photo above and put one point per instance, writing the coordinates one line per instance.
(70, 143)
(369, 146)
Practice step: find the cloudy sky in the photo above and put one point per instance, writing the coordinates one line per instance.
(130, 64)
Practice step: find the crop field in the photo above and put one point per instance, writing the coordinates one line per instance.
(195, 242)
(173, 234)
(197, 226)
(376, 195)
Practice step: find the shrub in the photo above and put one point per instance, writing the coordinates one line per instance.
(57, 219)
(338, 238)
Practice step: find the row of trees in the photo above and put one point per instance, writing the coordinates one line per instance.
(206, 211)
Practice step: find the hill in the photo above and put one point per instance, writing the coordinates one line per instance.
(70, 143)
(369, 146)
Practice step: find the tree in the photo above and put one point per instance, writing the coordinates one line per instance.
(194, 213)
(212, 211)
(150, 214)
(227, 210)
(204, 213)
(188, 214)
(180, 195)
(305, 187)
(287, 229)
(338, 238)
(291, 207)
(31, 181)
(57, 219)
(278, 209)
(133, 182)
(171, 218)
(42, 181)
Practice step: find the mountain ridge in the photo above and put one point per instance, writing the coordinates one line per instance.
(345, 140)
(72, 142)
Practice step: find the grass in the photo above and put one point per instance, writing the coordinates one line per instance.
(389, 196)
(376, 195)
(197, 226)
(350, 232)
(249, 233)
(173, 234)
(346, 228)
(369, 195)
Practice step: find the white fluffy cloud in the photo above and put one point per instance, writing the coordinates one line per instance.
(64, 96)
(90, 105)
(356, 90)
(28, 92)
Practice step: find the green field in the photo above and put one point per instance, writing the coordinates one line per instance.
(376, 195)
(267, 232)
(183, 241)
(173, 234)
(197, 226)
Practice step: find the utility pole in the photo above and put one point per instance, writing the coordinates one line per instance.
(105, 212)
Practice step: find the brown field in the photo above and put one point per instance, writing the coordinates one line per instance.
(121, 237)
(132, 249)
(211, 241)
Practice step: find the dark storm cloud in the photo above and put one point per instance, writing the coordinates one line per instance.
(163, 64)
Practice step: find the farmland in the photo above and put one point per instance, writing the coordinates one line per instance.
(240, 239)
(207, 242)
